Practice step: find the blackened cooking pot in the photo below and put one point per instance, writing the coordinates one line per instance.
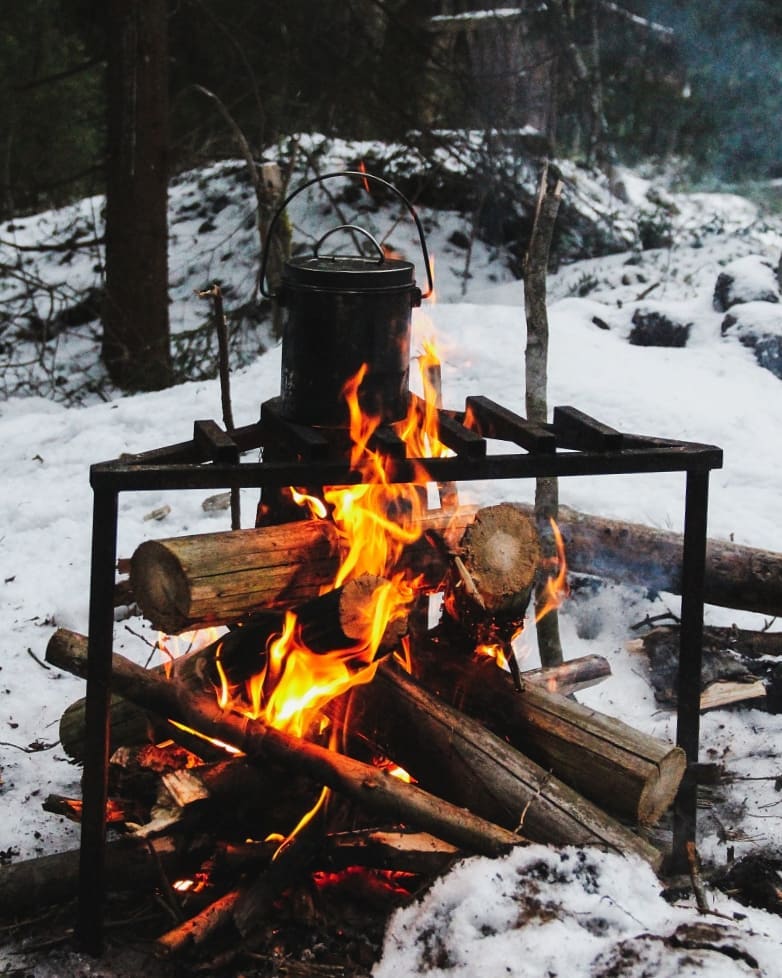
(340, 312)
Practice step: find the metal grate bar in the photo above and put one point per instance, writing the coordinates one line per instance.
(492, 420)
(577, 430)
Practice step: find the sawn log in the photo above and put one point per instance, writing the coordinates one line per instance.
(619, 768)
(190, 582)
(746, 578)
(459, 759)
(208, 579)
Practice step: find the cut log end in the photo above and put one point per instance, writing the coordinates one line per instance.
(161, 587)
(501, 550)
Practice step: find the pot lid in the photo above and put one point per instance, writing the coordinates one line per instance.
(348, 273)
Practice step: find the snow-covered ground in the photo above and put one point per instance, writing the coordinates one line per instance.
(539, 911)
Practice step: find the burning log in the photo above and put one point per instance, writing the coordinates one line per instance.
(214, 578)
(459, 759)
(190, 582)
(217, 578)
(131, 724)
(342, 617)
(339, 619)
(617, 767)
(132, 864)
(401, 851)
(363, 783)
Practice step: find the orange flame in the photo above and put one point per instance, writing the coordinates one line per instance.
(363, 169)
(375, 520)
(556, 587)
(173, 647)
(495, 652)
(393, 770)
(316, 506)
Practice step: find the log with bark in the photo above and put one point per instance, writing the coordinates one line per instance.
(217, 578)
(131, 724)
(336, 620)
(190, 582)
(619, 768)
(132, 864)
(461, 756)
(745, 578)
(459, 759)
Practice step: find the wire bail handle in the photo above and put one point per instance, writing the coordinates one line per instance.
(345, 173)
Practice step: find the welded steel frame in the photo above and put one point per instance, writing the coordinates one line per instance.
(192, 465)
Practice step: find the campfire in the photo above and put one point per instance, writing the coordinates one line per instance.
(352, 706)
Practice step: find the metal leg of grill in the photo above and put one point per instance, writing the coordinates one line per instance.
(101, 636)
(690, 656)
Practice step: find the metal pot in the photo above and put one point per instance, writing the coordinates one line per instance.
(342, 311)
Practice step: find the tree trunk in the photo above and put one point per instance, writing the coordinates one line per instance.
(135, 319)
(536, 376)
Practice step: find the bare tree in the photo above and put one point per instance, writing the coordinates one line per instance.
(536, 375)
(135, 321)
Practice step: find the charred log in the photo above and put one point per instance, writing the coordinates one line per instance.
(364, 784)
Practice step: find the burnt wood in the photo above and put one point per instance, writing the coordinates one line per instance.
(363, 783)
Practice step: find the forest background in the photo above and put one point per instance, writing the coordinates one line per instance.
(117, 97)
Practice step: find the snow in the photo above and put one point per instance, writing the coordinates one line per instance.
(540, 910)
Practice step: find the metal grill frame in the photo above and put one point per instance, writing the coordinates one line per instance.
(572, 445)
